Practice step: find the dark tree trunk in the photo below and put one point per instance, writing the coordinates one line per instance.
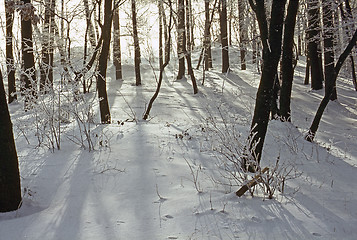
(224, 37)
(347, 19)
(243, 33)
(161, 50)
(103, 63)
(315, 124)
(329, 58)
(287, 61)
(313, 44)
(10, 64)
(162, 68)
(137, 57)
(207, 38)
(10, 189)
(46, 70)
(28, 77)
(166, 33)
(307, 71)
(188, 27)
(272, 41)
(181, 41)
(116, 46)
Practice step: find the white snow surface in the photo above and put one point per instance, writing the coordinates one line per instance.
(140, 186)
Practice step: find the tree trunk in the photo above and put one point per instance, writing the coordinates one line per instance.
(315, 124)
(116, 46)
(161, 52)
(28, 76)
(224, 37)
(243, 33)
(181, 38)
(287, 61)
(329, 58)
(91, 32)
(347, 18)
(103, 63)
(137, 57)
(162, 68)
(10, 189)
(10, 64)
(313, 44)
(46, 70)
(272, 41)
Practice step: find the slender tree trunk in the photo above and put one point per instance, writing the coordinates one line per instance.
(243, 33)
(181, 41)
(28, 77)
(137, 57)
(188, 27)
(224, 37)
(162, 69)
(46, 69)
(166, 33)
(315, 123)
(161, 54)
(10, 64)
(329, 58)
(347, 18)
(116, 46)
(92, 38)
(272, 40)
(313, 44)
(10, 188)
(287, 61)
(103, 63)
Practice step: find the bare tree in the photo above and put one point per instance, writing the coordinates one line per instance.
(271, 38)
(315, 123)
(10, 189)
(10, 64)
(287, 64)
(137, 57)
(224, 37)
(103, 63)
(116, 45)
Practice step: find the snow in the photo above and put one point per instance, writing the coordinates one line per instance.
(140, 185)
(159, 179)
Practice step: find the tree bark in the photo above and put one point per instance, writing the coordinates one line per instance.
(10, 188)
(116, 46)
(28, 76)
(224, 37)
(329, 58)
(287, 61)
(10, 64)
(315, 123)
(313, 44)
(181, 38)
(46, 69)
(103, 63)
(243, 33)
(272, 40)
(137, 57)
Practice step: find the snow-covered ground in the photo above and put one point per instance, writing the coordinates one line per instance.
(139, 182)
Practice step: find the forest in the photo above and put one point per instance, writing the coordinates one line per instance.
(186, 119)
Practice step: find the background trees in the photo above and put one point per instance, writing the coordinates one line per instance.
(56, 56)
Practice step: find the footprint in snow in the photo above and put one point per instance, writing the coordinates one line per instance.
(255, 219)
(169, 216)
(317, 234)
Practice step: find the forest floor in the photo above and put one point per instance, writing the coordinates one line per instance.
(161, 178)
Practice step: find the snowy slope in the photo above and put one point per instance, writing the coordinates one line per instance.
(139, 185)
